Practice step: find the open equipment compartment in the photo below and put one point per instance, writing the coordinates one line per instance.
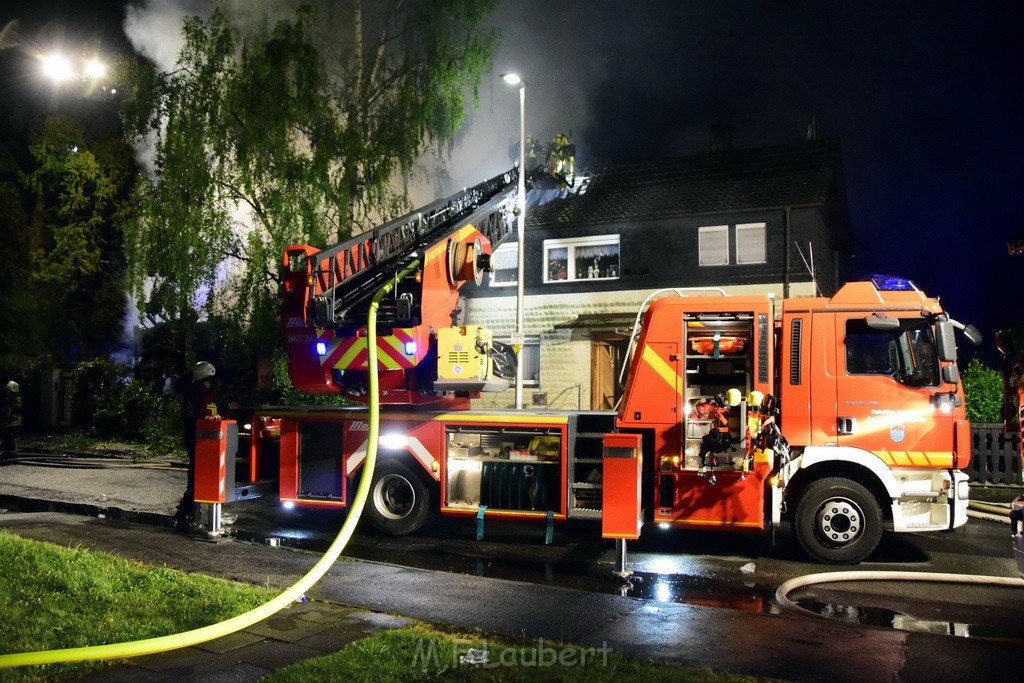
(516, 469)
(718, 353)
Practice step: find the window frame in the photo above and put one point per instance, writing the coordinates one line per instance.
(743, 228)
(571, 244)
(531, 346)
(512, 247)
(712, 230)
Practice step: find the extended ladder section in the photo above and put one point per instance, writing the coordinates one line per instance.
(326, 295)
(342, 279)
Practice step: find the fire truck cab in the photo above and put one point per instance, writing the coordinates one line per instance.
(845, 412)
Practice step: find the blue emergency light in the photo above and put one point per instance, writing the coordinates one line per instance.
(891, 283)
(410, 348)
(321, 349)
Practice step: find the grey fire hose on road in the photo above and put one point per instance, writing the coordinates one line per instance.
(989, 511)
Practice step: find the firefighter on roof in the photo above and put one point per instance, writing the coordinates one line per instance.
(562, 160)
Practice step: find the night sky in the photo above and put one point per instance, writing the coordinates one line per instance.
(926, 99)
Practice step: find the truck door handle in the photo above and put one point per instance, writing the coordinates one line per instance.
(846, 425)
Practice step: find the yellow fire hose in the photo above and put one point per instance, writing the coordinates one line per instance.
(291, 594)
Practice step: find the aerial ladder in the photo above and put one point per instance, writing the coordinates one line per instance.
(425, 357)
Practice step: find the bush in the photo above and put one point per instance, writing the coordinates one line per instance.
(107, 405)
(95, 383)
(983, 392)
(290, 396)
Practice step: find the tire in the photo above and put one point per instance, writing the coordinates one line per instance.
(400, 501)
(838, 521)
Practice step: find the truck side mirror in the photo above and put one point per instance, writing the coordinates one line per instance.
(950, 374)
(973, 334)
(946, 340)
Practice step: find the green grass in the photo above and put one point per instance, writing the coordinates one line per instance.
(54, 597)
(428, 653)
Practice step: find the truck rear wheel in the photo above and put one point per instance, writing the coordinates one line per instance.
(399, 499)
(838, 521)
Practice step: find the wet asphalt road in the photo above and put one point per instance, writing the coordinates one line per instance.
(739, 571)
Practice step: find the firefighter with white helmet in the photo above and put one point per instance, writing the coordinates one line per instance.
(200, 402)
(12, 419)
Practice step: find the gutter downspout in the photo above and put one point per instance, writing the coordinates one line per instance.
(787, 232)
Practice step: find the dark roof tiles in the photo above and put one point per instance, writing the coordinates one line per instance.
(732, 180)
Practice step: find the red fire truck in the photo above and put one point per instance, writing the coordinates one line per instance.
(842, 414)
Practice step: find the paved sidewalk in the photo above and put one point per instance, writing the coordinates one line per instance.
(776, 646)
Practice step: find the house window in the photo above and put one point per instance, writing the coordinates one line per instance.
(713, 245)
(750, 243)
(585, 258)
(505, 265)
(529, 356)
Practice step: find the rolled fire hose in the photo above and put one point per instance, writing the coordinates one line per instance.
(286, 598)
(990, 508)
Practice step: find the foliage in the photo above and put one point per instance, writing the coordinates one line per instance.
(290, 396)
(61, 280)
(80, 198)
(290, 137)
(105, 403)
(983, 392)
(57, 597)
(93, 382)
(16, 300)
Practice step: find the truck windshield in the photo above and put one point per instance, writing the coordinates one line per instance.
(906, 354)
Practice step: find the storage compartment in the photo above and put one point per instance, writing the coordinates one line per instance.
(503, 469)
(717, 361)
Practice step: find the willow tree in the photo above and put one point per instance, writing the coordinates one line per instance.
(292, 136)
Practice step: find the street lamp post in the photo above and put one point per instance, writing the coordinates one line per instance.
(519, 338)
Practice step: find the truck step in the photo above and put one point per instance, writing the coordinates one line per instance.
(920, 494)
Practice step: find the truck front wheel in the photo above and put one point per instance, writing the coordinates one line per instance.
(399, 499)
(838, 521)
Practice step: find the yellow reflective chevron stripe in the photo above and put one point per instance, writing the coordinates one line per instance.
(662, 369)
(915, 458)
(390, 352)
(347, 360)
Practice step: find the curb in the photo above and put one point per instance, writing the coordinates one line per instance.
(22, 504)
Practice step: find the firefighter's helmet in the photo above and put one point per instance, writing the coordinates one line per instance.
(203, 370)
(13, 387)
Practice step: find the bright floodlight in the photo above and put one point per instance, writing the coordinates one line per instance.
(57, 68)
(512, 79)
(95, 69)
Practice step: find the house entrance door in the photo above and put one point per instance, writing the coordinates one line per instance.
(607, 352)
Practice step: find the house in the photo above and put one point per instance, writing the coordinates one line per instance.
(750, 221)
